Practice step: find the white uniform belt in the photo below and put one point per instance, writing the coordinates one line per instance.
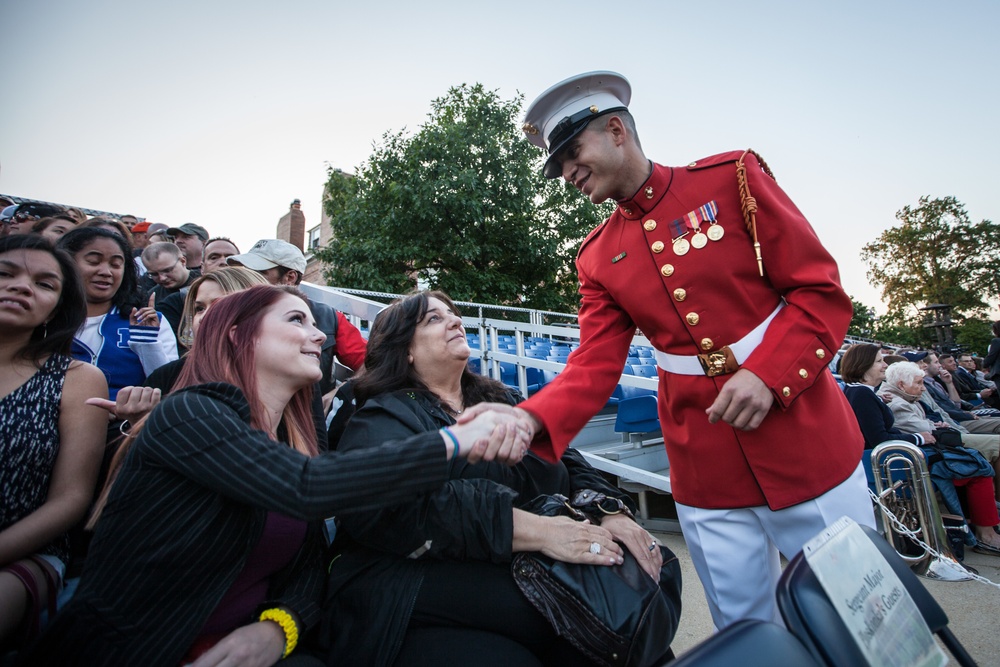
(690, 364)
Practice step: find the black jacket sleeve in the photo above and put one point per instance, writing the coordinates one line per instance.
(875, 418)
(202, 433)
(466, 518)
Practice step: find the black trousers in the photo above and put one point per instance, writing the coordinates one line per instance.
(472, 613)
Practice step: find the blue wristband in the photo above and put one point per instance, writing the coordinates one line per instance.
(454, 452)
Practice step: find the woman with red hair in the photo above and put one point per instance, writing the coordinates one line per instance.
(208, 546)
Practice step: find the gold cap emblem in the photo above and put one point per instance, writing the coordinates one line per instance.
(528, 128)
(593, 108)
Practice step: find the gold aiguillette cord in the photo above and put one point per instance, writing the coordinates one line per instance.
(749, 204)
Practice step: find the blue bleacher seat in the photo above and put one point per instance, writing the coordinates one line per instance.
(637, 415)
(644, 370)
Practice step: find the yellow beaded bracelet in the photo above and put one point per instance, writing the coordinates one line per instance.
(287, 625)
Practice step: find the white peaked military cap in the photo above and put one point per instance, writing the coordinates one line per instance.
(563, 111)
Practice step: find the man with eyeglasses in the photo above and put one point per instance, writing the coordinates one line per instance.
(167, 267)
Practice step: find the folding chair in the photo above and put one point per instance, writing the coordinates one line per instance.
(811, 617)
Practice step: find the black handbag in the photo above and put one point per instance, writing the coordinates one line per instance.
(615, 615)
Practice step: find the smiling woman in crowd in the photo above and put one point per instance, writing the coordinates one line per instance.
(398, 573)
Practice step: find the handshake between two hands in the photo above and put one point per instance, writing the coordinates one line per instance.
(495, 432)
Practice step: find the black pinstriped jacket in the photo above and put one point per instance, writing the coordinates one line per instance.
(189, 506)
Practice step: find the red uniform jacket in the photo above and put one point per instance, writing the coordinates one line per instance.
(707, 298)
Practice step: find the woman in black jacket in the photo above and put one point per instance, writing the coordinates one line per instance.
(863, 369)
(429, 582)
(208, 538)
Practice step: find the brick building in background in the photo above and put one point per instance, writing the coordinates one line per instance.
(292, 228)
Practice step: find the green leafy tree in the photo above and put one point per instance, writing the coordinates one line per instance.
(900, 329)
(974, 335)
(862, 321)
(935, 255)
(460, 204)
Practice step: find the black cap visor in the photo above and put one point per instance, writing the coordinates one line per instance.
(567, 129)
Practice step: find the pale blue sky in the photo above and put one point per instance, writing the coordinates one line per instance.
(222, 113)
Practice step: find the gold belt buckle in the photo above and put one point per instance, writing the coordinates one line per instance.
(720, 362)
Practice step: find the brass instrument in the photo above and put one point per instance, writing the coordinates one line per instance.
(903, 486)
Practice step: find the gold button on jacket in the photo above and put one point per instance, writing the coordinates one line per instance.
(680, 294)
(692, 318)
(657, 246)
(667, 270)
(820, 354)
(707, 344)
(649, 225)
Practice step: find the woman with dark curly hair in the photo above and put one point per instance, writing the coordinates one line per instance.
(392, 590)
(124, 337)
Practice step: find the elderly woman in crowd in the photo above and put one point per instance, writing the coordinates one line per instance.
(207, 548)
(50, 441)
(863, 369)
(429, 581)
(904, 382)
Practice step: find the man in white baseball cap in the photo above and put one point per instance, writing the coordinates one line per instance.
(279, 261)
(282, 263)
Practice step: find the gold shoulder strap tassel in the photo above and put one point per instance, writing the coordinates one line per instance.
(748, 203)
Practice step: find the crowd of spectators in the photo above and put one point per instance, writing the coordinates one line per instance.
(914, 397)
(150, 372)
(157, 521)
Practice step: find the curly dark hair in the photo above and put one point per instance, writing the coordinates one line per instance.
(56, 335)
(128, 295)
(387, 367)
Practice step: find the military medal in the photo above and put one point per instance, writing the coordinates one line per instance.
(694, 219)
(716, 232)
(699, 240)
(681, 246)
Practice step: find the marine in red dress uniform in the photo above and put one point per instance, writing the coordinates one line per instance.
(696, 303)
(677, 261)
